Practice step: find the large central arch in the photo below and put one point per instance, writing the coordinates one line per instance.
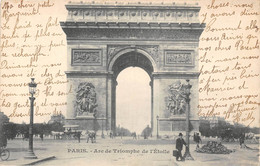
(104, 39)
(126, 58)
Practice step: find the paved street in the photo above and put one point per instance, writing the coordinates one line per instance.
(125, 151)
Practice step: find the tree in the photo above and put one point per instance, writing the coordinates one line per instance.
(204, 128)
(22, 129)
(10, 130)
(123, 131)
(147, 131)
(56, 126)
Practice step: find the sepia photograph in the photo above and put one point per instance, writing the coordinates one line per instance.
(130, 82)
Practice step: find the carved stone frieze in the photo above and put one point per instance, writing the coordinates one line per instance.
(86, 57)
(125, 12)
(129, 34)
(178, 58)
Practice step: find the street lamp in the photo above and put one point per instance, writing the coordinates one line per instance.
(187, 93)
(157, 117)
(32, 89)
(102, 127)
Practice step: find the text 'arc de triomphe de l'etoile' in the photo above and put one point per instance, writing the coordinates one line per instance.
(104, 39)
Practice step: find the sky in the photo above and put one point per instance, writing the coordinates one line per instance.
(133, 99)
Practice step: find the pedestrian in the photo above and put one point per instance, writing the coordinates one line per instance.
(78, 134)
(111, 134)
(242, 140)
(179, 145)
(197, 139)
(26, 136)
(41, 136)
(134, 135)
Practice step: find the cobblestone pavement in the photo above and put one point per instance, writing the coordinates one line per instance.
(124, 151)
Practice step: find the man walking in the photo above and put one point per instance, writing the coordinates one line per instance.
(78, 134)
(41, 136)
(179, 145)
(197, 139)
(242, 140)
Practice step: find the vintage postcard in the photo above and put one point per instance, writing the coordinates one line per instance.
(129, 82)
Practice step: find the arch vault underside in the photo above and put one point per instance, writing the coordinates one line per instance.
(105, 39)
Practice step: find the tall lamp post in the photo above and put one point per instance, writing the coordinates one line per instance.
(157, 117)
(32, 89)
(102, 135)
(187, 93)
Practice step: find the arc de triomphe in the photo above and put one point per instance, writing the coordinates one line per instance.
(104, 39)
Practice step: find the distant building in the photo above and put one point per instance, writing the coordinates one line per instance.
(57, 118)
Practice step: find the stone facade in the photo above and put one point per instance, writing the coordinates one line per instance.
(104, 39)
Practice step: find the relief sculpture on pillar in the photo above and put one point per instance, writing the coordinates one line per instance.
(175, 102)
(86, 100)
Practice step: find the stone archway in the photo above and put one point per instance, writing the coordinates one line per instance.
(104, 39)
(127, 58)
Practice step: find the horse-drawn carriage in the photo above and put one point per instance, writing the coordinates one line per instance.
(70, 132)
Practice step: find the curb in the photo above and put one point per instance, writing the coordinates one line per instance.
(41, 160)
